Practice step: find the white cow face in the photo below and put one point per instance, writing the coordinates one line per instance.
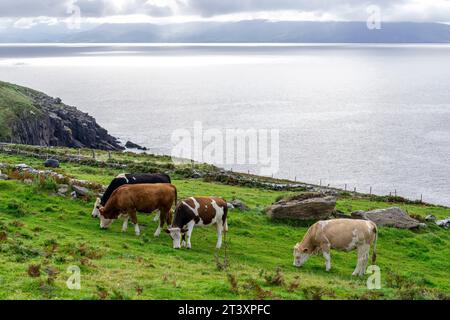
(175, 234)
(104, 222)
(95, 211)
(301, 255)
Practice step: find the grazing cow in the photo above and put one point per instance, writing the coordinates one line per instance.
(128, 178)
(130, 198)
(341, 234)
(198, 211)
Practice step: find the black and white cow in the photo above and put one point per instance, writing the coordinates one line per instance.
(128, 178)
(198, 211)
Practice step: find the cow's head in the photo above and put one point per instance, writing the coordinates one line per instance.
(105, 221)
(97, 206)
(176, 235)
(301, 254)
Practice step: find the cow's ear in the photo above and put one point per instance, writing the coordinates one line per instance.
(305, 250)
(167, 231)
(184, 230)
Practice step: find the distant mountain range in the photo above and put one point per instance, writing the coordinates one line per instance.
(238, 32)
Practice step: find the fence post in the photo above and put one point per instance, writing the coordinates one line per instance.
(370, 190)
(109, 155)
(93, 154)
(395, 192)
(345, 187)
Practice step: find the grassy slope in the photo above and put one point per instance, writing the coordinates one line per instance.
(13, 103)
(116, 265)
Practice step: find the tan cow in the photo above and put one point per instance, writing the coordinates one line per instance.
(126, 200)
(340, 234)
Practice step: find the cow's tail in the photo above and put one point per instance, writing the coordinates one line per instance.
(225, 220)
(374, 252)
(172, 211)
(176, 197)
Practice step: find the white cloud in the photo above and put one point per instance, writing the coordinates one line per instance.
(26, 12)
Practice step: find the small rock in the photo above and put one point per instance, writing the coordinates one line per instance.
(444, 223)
(73, 194)
(3, 176)
(430, 218)
(133, 145)
(51, 163)
(22, 166)
(28, 181)
(236, 203)
(196, 174)
(63, 188)
(80, 191)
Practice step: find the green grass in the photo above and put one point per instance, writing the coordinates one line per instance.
(55, 233)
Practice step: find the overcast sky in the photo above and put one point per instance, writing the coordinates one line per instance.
(25, 13)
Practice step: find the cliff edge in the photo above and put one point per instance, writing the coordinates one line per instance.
(31, 117)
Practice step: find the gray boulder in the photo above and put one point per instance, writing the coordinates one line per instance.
(80, 191)
(444, 223)
(22, 167)
(51, 163)
(63, 188)
(3, 176)
(430, 218)
(391, 217)
(238, 204)
(311, 208)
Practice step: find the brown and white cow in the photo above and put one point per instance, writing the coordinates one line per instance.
(340, 234)
(126, 200)
(198, 211)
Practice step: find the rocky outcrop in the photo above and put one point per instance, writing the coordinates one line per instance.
(391, 217)
(132, 145)
(303, 207)
(52, 123)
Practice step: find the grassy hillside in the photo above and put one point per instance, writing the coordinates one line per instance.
(45, 231)
(13, 103)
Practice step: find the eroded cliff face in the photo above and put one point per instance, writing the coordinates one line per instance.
(57, 124)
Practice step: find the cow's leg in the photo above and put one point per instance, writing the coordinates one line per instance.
(125, 223)
(162, 219)
(190, 226)
(133, 218)
(157, 216)
(326, 255)
(219, 227)
(363, 256)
